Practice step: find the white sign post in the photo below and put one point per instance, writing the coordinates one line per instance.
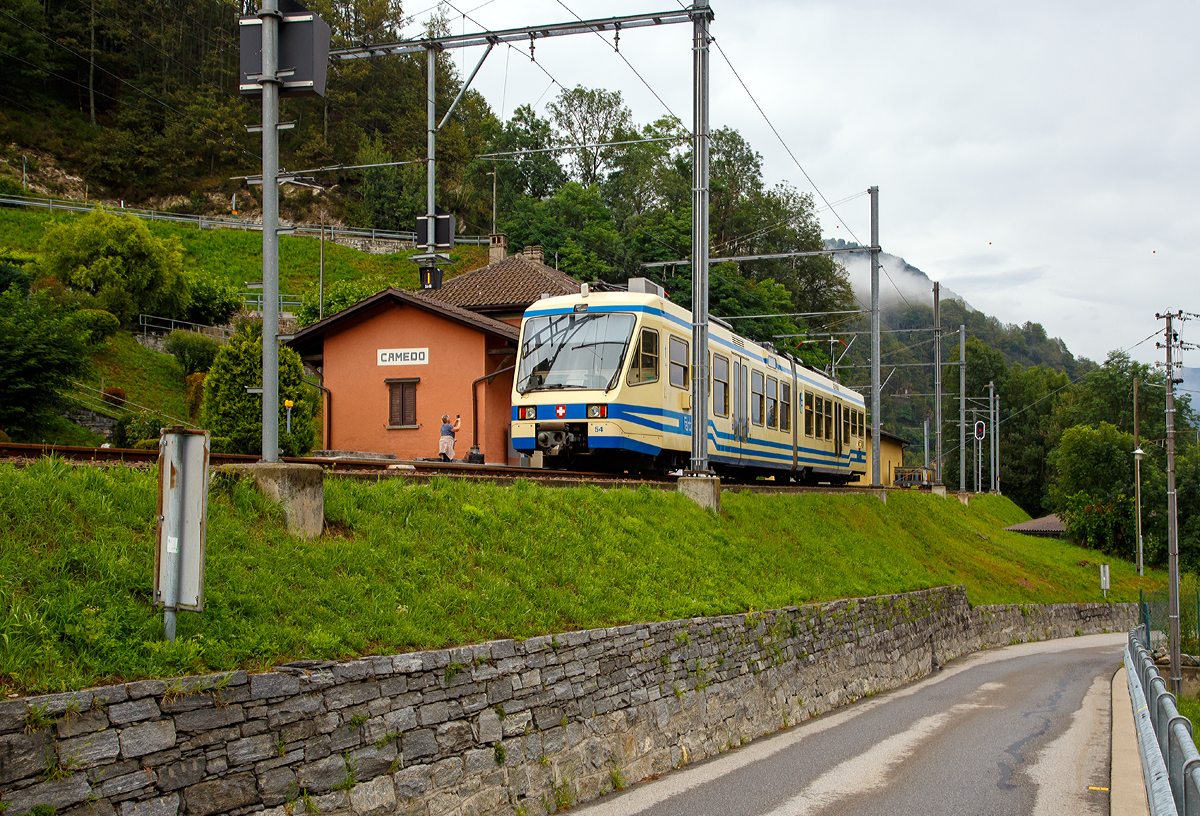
(1104, 579)
(182, 523)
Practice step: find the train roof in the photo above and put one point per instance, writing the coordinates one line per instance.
(727, 339)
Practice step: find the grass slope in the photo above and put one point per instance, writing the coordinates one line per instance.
(236, 255)
(149, 378)
(405, 566)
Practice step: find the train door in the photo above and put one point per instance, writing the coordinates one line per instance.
(739, 411)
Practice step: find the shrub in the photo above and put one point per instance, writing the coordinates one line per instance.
(195, 352)
(146, 444)
(230, 412)
(193, 397)
(96, 325)
(4, 436)
(114, 396)
(144, 425)
(14, 276)
(220, 444)
(213, 302)
(120, 432)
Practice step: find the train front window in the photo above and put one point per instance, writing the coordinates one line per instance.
(573, 351)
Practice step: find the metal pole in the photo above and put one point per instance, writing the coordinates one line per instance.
(493, 202)
(962, 408)
(996, 442)
(270, 236)
(1172, 521)
(430, 139)
(701, 15)
(321, 282)
(174, 482)
(926, 441)
(875, 410)
(992, 441)
(937, 382)
(1137, 475)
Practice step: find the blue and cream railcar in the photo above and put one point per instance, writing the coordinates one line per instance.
(604, 382)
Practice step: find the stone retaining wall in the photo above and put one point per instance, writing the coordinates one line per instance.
(504, 727)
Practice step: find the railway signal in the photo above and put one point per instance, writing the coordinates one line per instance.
(980, 429)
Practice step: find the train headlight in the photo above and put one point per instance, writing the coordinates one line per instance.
(527, 412)
(597, 411)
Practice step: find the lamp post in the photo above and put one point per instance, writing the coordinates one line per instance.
(1138, 455)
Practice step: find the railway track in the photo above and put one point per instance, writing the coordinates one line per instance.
(419, 470)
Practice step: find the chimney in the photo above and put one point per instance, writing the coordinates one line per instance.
(533, 253)
(498, 249)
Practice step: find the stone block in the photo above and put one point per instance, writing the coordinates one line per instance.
(703, 490)
(370, 762)
(418, 744)
(432, 714)
(181, 774)
(144, 708)
(322, 774)
(145, 688)
(84, 722)
(139, 740)
(399, 721)
(350, 694)
(100, 807)
(455, 737)
(24, 755)
(413, 782)
(273, 684)
(162, 806)
(253, 749)
(129, 782)
(222, 795)
(206, 719)
(296, 708)
(298, 489)
(276, 785)
(59, 794)
(377, 795)
(89, 750)
(488, 728)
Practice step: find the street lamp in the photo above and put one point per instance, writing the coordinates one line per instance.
(1138, 455)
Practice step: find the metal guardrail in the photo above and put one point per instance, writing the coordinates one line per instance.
(254, 301)
(153, 324)
(1171, 753)
(212, 222)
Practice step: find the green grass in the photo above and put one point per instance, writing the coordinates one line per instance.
(148, 377)
(61, 431)
(406, 566)
(236, 255)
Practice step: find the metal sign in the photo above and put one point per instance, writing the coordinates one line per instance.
(980, 429)
(182, 522)
(402, 356)
(1104, 587)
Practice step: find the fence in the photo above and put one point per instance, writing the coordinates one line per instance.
(1154, 610)
(153, 324)
(1172, 752)
(214, 222)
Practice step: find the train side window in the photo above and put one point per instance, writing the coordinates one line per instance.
(845, 423)
(862, 423)
(756, 397)
(772, 402)
(679, 363)
(720, 385)
(808, 413)
(854, 423)
(644, 366)
(820, 427)
(785, 407)
(829, 419)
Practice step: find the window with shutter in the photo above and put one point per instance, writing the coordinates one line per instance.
(402, 402)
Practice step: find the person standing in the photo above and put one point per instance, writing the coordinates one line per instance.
(446, 442)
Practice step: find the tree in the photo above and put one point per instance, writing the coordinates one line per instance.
(575, 224)
(590, 116)
(531, 175)
(114, 259)
(232, 413)
(42, 347)
(338, 295)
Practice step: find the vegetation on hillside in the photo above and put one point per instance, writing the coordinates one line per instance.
(406, 566)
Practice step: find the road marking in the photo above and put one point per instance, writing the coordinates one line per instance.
(1093, 787)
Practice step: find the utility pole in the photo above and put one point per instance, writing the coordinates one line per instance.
(1172, 520)
(1137, 475)
(996, 442)
(430, 146)
(270, 81)
(701, 14)
(962, 408)
(992, 441)
(876, 424)
(493, 175)
(937, 382)
(321, 283)
(926, 441)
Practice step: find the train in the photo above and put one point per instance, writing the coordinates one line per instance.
(603, 383)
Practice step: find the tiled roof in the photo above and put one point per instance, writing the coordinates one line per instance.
(311, 339)
(514, 283)
(1050, 525)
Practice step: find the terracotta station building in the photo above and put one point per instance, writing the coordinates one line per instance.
(393, 364)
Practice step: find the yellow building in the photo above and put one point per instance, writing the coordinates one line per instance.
(891, 456)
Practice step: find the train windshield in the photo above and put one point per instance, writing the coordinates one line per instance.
(577, 350)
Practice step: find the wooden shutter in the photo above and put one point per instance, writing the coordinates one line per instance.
(409, 403)
(394, 392)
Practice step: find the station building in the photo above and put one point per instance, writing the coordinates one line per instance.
(393, 364)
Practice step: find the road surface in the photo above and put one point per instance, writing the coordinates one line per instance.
(1019, 730)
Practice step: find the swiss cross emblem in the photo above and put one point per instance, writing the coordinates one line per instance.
(560, 411)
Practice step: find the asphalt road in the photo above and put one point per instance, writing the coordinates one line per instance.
(1019, 730)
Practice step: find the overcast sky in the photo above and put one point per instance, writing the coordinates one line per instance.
(1040, 159)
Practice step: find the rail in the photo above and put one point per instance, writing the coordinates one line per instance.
(1170, 761)
(153, 324)
(215, 222)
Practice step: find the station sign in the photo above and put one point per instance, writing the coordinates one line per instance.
(402, 356)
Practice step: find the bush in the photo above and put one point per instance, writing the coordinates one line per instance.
(220, 444)
(14, 276)
(114, 396)
(146, 444)
(120, 432)
(96, 325)
(193, 397)
(195, 352)
(230, 412)
(144, 425)
(4, 436)
(213, 302)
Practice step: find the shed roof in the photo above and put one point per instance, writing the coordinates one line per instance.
(1047, 526)
(514, 283)
(310, 341)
